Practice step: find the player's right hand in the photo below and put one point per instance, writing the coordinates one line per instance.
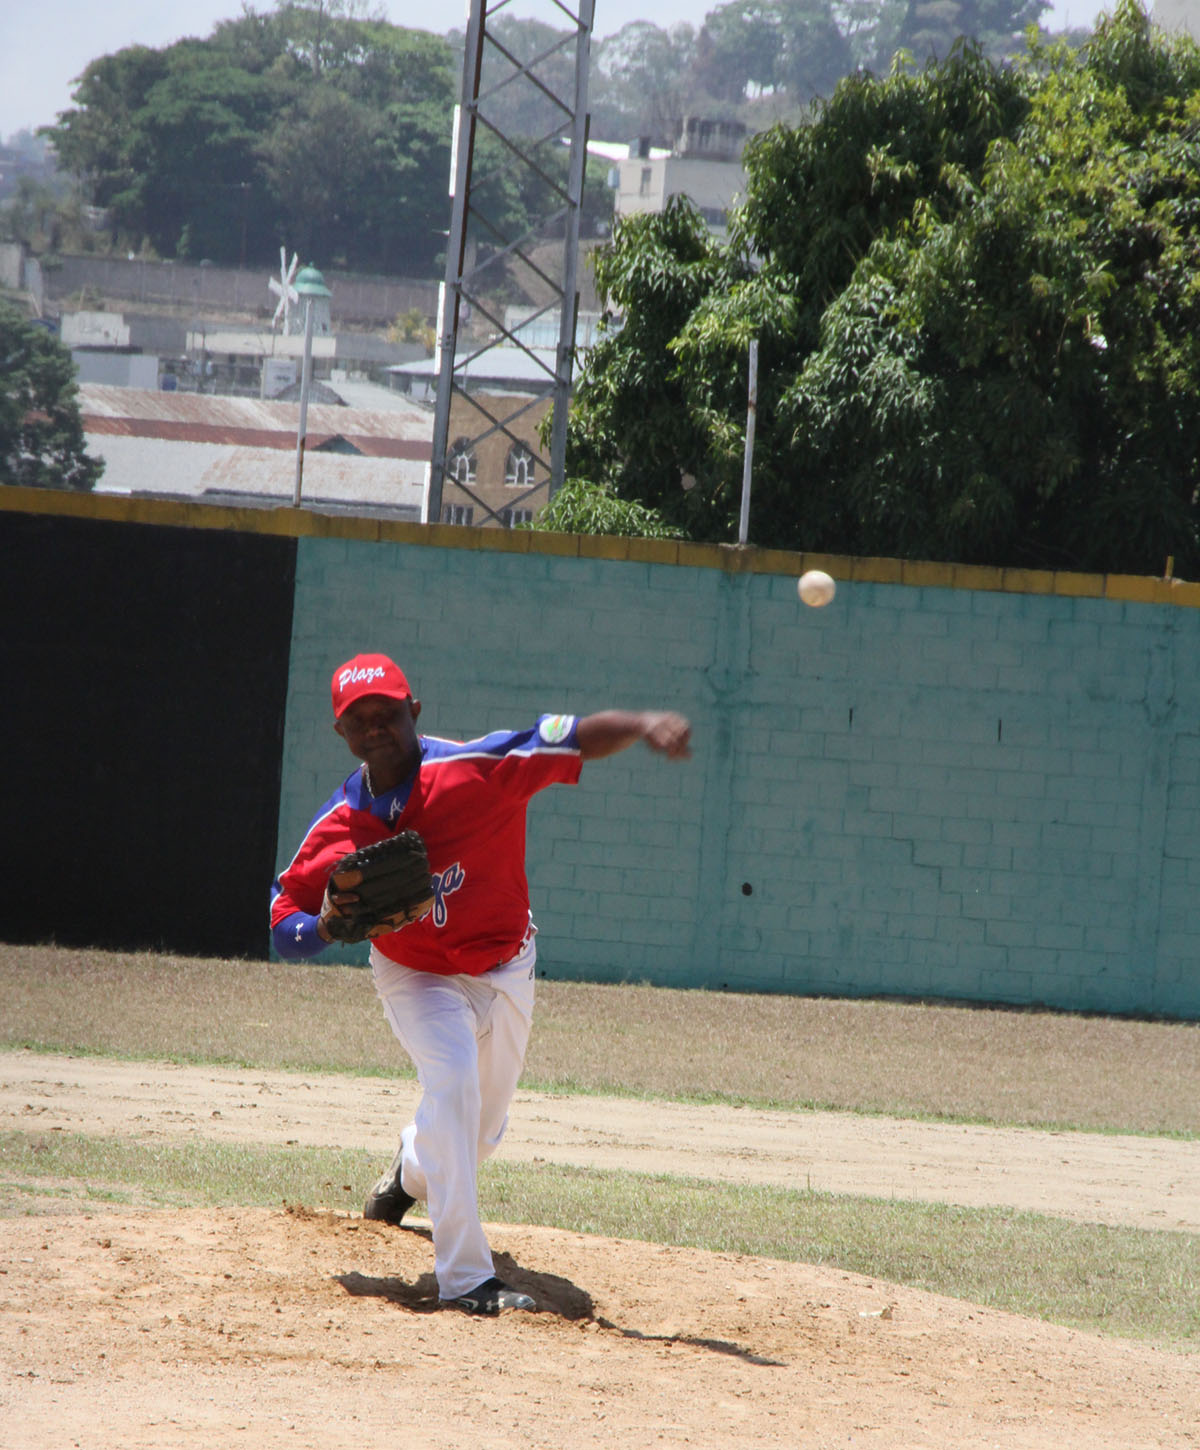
(669, 734)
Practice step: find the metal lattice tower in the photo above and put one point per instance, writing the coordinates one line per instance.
(477, 247)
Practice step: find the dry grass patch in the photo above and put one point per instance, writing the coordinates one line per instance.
(896, 1058)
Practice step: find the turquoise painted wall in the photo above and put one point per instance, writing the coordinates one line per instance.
(920, 791)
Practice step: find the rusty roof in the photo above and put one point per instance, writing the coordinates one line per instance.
(174, 431)
(252, 422)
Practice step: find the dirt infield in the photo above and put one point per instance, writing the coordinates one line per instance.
(225, 1328)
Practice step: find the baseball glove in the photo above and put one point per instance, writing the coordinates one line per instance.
(378, 889)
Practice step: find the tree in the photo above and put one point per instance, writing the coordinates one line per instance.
(41, 432)
(640, 81)
(322, 126)
(97, 140)
(31, 215)
(308, 126)
(817, 49)
(631, 426)
(665, 395)
(929, 28)
(194, 152)
(165, 141)
(323, 160)
(580, 507)
(325, 34)
(975, 292)
(1018, 381)
(761, 60)
(743, 43)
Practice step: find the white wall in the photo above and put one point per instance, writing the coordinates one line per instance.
(117, 369)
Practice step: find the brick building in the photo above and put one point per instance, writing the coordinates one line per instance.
(498, 476)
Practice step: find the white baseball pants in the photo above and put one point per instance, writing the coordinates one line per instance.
(467, 1038)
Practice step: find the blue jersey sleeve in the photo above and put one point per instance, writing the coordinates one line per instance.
(519, 762)
(296, 937)
(551, 735)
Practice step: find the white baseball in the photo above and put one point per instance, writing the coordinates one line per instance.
(816, 588)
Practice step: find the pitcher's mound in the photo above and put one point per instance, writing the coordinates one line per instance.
(300, 1328)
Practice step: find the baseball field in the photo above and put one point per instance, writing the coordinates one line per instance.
(745, 1220)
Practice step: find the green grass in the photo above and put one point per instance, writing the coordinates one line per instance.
(1128, 1282)
(1120, 1281)
(177, 1175)
(902, 1059)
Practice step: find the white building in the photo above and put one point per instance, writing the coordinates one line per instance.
(129, 350)
(705, 165)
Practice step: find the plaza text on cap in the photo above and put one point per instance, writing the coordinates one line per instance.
(367, 675)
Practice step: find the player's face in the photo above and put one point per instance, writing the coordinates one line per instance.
(382, 731)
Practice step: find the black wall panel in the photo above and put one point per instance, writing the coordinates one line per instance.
(144, 679)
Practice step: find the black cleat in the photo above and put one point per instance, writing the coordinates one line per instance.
(493, 1296)
(387, 1201)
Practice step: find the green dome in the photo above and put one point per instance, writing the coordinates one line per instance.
(310, 283)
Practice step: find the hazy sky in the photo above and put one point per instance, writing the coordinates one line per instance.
(44, 44)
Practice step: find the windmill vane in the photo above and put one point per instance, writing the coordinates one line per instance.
(283, 289)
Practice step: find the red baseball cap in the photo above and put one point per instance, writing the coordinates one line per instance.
(367, 675)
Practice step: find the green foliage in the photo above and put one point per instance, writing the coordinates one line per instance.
(929, 28)
(309, 126)
(631, 426)
(41, 432)
(977, 297)
(32, 214)
(580, 507)
(1018, 380)
(818, 194)
(326, 131)
(413, 326)
(322, 126)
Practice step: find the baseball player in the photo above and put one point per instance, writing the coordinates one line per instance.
(456, 986)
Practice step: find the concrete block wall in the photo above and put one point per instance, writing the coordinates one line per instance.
(990, 799)
(955, 783)
(357, 297)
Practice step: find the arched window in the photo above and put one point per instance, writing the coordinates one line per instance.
(461, 461)
(518, 468)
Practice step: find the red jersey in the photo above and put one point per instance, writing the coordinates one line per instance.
(468, 801)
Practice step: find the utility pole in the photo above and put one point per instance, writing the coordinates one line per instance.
(474, 235)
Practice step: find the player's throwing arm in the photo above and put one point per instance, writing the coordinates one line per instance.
(663, 731)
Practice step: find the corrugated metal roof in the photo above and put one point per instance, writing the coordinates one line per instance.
(507, 366)
(176, 431)
(169, 468)
(325, 476)
(99, 400)
(374, 397)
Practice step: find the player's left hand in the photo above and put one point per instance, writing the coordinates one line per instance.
(378, 889)
(332, 906)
